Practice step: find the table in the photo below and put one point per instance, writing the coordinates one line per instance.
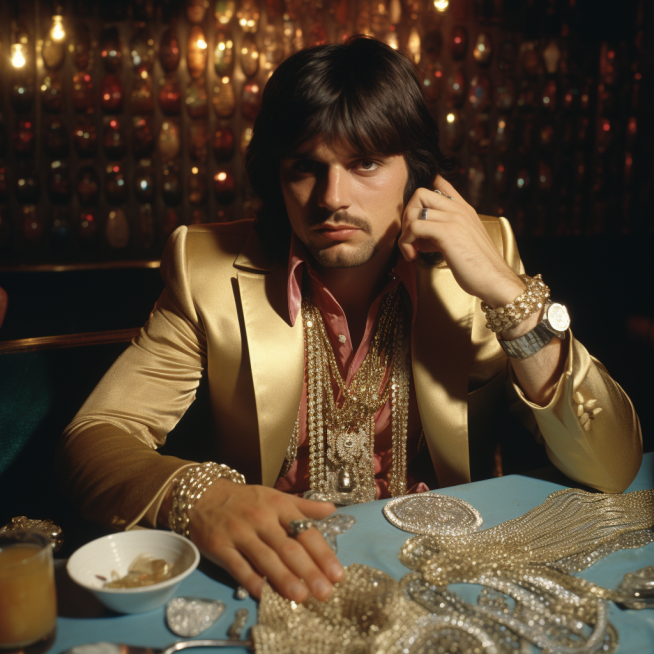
(374, 542)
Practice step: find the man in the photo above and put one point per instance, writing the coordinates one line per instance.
(332, 304)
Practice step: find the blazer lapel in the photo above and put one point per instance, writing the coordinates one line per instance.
(276, 351)
(441, 356)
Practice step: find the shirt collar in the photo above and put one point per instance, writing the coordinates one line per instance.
(298, 258)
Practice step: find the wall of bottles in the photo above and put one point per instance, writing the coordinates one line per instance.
(120, 121)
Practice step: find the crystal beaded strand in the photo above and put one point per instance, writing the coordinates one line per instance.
(399, 418)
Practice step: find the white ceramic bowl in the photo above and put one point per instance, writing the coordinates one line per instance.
(116, 552)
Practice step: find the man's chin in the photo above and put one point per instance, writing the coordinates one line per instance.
(337, 256)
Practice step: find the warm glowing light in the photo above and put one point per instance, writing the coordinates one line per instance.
(144, 74)
(501, 124)
(17, 56)
(221, 177)
(202, 44)
(221, 46)
(457, 40)
(116, 169)
(113, 123)
(606, 127)
(194, 170)
(57, 32)
(441, 5)
(225, 80)
(450, 118)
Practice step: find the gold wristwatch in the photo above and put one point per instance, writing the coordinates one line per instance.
(555, 322)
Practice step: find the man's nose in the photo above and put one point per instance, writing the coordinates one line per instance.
(335, 193)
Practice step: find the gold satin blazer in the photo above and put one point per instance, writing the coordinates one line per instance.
(224, 315)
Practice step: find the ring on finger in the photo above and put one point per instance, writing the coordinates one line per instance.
(296, 527)
(423, 214)
(449, 197)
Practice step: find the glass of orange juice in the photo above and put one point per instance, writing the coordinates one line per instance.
(28, 602)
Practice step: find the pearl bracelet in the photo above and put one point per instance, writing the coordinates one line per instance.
(530, 301)
(190, 486)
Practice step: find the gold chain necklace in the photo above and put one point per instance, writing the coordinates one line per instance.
(342, 439)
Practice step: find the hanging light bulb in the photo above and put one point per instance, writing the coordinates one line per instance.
(17, 56)
(57, 31)
(441, 5)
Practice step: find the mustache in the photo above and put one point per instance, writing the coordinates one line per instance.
(339, 218)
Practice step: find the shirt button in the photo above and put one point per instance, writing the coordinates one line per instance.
(341, 338)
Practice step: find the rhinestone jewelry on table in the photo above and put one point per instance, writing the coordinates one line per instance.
(525, 566)
(432, 514)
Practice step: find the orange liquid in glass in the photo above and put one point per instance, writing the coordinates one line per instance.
(28, 602)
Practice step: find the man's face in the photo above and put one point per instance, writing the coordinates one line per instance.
(345, 208)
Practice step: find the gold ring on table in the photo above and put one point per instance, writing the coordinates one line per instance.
(449, 197)
(296, 527)
(423, 214)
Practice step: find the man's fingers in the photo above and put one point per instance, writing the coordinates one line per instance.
(313, 509)
(237, 566)
(305, 557)
(443, 185)
(268, 559)
(322, 554)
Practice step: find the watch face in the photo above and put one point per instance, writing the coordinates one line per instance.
(558, 317)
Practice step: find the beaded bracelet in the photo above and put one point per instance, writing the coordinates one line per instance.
(190, 486)
(530, 301)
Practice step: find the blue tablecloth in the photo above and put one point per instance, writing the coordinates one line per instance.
(375, 542)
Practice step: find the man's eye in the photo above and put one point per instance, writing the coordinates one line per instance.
(303, 166)
(367, 165)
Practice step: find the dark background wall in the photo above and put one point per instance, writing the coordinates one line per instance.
(554, 131)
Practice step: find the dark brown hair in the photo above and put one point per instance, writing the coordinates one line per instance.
(362, 92)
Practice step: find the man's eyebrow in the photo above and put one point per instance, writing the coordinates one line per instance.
(297, 155)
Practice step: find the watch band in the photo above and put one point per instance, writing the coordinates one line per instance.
(528, 344)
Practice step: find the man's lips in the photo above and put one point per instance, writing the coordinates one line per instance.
(336, 232)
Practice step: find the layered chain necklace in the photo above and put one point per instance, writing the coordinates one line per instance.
(342, 438)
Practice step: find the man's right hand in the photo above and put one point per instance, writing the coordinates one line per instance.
(245, 529)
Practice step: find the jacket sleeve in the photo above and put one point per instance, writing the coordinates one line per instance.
(590, 428)
(106, 461)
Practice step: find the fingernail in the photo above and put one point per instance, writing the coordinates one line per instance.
(298, 591)
(322, 589)
(335, 572)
